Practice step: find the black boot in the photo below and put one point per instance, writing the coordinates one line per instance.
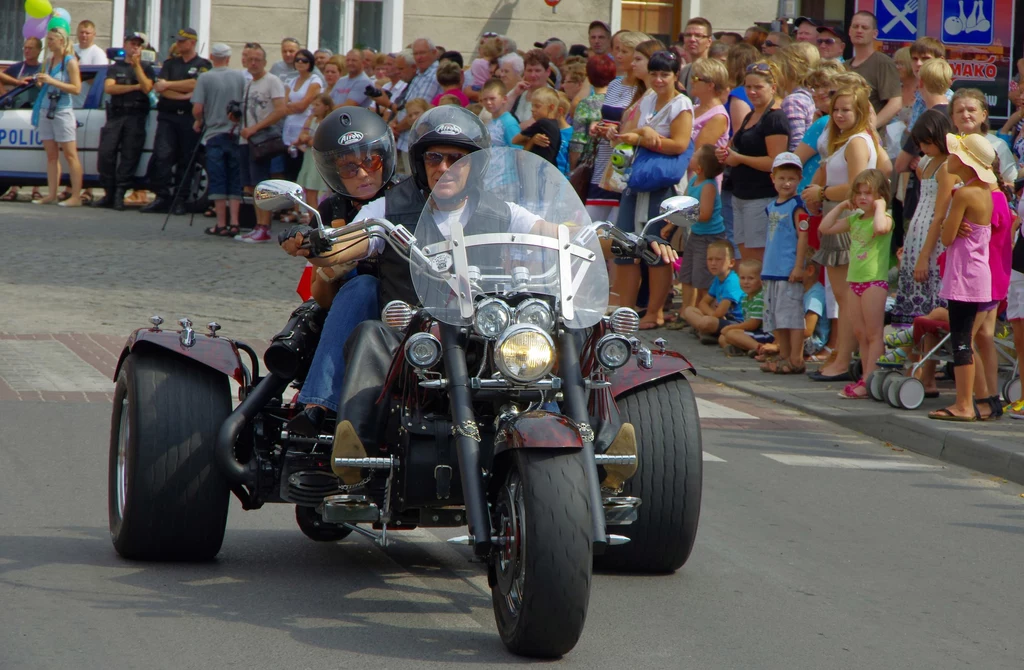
(159, 206)
(107, 200)
(118, 204)
(308, 422)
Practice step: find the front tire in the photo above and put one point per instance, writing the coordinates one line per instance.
(668, 480)
(167, 500)
(543, 567)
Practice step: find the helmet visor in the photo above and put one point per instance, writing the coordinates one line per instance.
(360, 171)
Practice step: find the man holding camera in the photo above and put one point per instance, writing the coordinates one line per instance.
(175, 139)
(128, 83)
(216, 106)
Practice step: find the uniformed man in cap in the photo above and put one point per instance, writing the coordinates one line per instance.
(175, 137)
(128, 84)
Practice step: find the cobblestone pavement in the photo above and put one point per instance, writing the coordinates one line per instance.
(104, 272)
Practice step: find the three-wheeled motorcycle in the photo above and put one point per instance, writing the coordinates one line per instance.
(506, 401)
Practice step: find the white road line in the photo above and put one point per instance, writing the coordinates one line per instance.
(712, 410)
(711, 458)
(851, 463)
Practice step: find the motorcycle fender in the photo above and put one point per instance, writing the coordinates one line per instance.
(663, 364)
(217, 353)
(538, 430)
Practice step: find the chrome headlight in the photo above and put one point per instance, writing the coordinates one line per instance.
(422, 350)
(535, 312)
(613, 351)
(493, 316)
(625, 321)
(397, 314)
(524, 353)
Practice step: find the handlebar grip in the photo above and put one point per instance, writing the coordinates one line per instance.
(317, 243)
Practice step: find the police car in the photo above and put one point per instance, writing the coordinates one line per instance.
(23, 159)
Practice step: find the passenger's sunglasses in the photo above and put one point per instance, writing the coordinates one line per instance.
(370, 164)
(435, 158)
(826, 40)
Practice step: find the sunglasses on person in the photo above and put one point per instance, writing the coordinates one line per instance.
(253, 45)
(826, 40)
(768, 44)
(303, 60)
(823, 92)
(370, 164)
(435, 158)
(759, 68)
(489, 35)
(694, 36)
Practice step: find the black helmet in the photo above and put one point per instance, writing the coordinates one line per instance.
(357, 133)
(450, 125)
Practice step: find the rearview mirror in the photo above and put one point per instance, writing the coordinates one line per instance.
(681, 209)
(277, 194)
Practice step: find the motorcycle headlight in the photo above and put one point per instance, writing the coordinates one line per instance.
(423, 350)
(613, 351)
(493, 316)
(524, 353)
(537, 313)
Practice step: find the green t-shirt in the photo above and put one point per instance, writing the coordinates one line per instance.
(753, 306)
(869, 253)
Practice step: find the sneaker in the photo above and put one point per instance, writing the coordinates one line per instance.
(258, 235)
(894, 357)
(901, 337)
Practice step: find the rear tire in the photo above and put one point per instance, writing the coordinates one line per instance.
(167, 500)
(315, 528)
(542, 572)
(668, 481)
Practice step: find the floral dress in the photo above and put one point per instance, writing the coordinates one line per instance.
(915, 298)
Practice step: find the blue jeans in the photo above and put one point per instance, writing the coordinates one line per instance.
(222, 167)
(727, 219)
(356, 302)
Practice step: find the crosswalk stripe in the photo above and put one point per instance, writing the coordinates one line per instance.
(851, 463)
(711, 458)
(712, 410)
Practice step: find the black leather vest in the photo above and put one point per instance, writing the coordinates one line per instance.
(403, 205)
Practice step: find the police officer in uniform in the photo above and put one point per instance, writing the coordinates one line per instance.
(175, 137)
(128, 84)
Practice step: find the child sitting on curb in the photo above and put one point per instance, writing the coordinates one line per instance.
(721, 306)
(745, 337)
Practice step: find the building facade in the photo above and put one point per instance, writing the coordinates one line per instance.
(384, 25)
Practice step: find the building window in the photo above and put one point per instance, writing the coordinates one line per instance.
(369, 21)
(136, 18)
(332, 25)
(11, 40)
(174, 15)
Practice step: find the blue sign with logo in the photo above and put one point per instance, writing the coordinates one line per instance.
(968, 21)
(897, 20)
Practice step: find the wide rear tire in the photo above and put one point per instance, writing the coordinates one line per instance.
(668, 481)
(543, 570)
(167, 500)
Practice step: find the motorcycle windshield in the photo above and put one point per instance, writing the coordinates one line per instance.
(503, 222)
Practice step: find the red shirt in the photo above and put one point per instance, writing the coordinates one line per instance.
(463, 100)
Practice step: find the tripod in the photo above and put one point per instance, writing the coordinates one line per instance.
(185, 179)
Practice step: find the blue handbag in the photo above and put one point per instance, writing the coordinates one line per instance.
(653, 171)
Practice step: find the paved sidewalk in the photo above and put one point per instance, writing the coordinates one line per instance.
(992, 447)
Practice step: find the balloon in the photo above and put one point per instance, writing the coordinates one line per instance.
(58, 22)
(62, 13)
(38, 9)
(34, 28)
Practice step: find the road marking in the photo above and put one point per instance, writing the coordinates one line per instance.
(711, 458)
(851, 463)
(214, 581)
(48, 365)
(712, 410)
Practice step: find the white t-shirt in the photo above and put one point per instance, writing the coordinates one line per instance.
(91, 56)
(522, 220)
(662, 120)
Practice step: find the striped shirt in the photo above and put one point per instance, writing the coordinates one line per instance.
(423, 85)
(616, 100)
(799, 109)
(753, 306)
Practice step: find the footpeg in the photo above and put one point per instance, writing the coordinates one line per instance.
(615, 540)
(350, 509)
(620, 510)
(620, 459)
(347, 445)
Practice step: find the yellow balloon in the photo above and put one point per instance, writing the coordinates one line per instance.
(37, 9)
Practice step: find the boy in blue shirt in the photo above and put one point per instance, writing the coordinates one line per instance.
(747, 337)
(503, 127)
(783, 267)
(722, 304)
(816, 326)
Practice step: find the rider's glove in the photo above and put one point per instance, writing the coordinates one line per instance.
(294, 231)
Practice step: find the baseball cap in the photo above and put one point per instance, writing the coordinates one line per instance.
(839, 30)
(220, 50)
(787, 158)
(578, 50)
(141, 37)
(594, 24)
(800, 20)
(186, 34)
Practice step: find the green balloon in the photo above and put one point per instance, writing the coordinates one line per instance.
(58, 22)
(37, 9)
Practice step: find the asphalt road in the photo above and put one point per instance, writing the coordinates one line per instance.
(817, 548)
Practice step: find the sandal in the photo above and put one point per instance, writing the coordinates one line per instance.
(215, 230)
(10, 196)
(850, 392)
(675, 324)
(228, 231)
(64, 196)
(787, 368)
(945, 414)
(770, 364)
(995, 408)
(210, 213)
(36, 195)
(86, 198)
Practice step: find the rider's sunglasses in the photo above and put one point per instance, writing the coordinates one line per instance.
(370, 164)
(435, 158)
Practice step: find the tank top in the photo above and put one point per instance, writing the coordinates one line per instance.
(1000, 247)
(836, 168)
(968, 277)
(293, 122)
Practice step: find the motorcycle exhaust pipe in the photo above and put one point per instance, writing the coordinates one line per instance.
(238, 473)
(574, 403)
(467, 448)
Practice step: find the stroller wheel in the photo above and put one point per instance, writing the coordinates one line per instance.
(1012, 390)
(856, 369)
(889, 390)
(909, 393)
(875, 381)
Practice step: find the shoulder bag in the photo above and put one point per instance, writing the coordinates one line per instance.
(266, 143)
(653, 171)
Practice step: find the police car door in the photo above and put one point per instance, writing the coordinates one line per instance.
(21, 150)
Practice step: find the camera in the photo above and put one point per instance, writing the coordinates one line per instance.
(373, 92)
(53, 96)
(234, 110)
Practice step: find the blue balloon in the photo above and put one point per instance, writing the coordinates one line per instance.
(62, 13)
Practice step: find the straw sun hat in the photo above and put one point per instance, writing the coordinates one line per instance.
(976, 152)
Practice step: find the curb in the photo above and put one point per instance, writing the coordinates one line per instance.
(924, 439)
